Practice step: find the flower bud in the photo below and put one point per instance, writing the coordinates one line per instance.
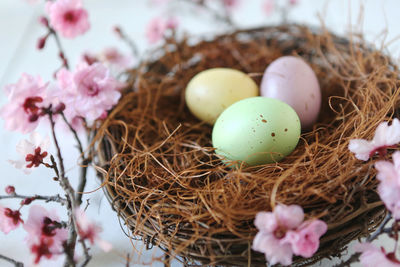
(10, 190)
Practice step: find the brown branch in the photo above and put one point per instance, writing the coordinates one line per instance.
(12, 261)
(57, 198)
(225, 18)
(60, 47)
(88, 257)
(70, 194)
(85, 162)
(355, 257)
(82, 182)
(381, 228)
(124, 37)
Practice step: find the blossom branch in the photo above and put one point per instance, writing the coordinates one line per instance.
(381, 228)
(225, 17)
(71, 242)
(51, 31)
(124, 37)
(12, 261)
(88, 257)
(57, 198)
(60, 48)
(353, 258)
(85, 162)
(80, 147)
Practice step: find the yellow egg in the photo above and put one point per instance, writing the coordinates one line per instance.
(211, 91)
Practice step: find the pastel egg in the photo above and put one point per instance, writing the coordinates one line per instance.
(256, 131)
(211, 91)
(291, 80)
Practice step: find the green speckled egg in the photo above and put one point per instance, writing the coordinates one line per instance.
(256, 130)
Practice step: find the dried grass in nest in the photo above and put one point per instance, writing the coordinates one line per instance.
(163, 178)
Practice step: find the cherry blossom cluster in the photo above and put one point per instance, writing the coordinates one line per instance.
(159, 26)
(87, 93)
(284, 233)
(388, 173)
(75, 98)
(46, 233)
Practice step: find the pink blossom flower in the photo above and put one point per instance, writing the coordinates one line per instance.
(305, 240)
(96, 90)
(90, 231)
(293, 2)
(114, 58)
(157, 27)
(273, 227)
(66, 93)
(283, 233)
(23, 110)
(172, 23)
(88, 92)
(389, 188)
(268, 7)
(230, 5)
(32, 152)
(385, 137)
(372, 256)
(9, 219)
(68, 17)
(45, 234)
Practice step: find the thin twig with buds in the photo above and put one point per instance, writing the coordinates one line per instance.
(124, 37)
(12, 261)
(42, 41)
(88, 257)
(380, 229)
(70, 194)
(225, 17)
(57, 198)
(85, 162)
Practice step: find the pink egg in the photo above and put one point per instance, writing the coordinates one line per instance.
(291, 80)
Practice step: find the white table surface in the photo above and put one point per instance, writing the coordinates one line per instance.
(19, 33)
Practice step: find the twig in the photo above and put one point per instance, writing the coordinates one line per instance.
(57, 198)
(12, 261)
(128, 260)
(354, 258)
(225, 18)
(77, 139)
(88, 257)
(124, 37)
(349, 261)
(380, 229)
(60, 48)
(82, 182)
(85, 162)
(70, 193)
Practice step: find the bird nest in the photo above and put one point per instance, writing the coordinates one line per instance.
(161, 174)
